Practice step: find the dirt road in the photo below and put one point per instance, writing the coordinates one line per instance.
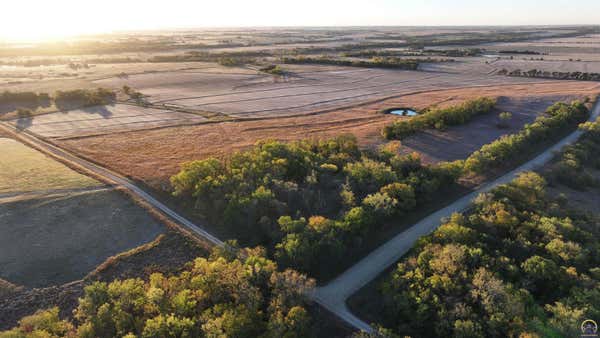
(333, 296)
(116, 178)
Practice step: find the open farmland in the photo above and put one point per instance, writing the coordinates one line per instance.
(103, 119)
(25, 170)
(56, 224)
(60, 238)
(243, 93)
(582, 45)
(306, 89)
(153, 156)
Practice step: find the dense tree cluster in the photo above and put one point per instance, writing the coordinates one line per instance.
(559, 118)
(519, 263)
(84, 97)
(439, 118)
(375, 62)
(222, 296)
(310, 202)
(537, 73)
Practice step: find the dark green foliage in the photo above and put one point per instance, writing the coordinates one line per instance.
(439, 118)
(310, 199)
(518, 263)
(508, 149)
(375, 62)
(215, 297)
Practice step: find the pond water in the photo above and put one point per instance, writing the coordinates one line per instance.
(404, 112)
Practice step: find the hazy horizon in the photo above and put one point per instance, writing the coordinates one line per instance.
(31, 20)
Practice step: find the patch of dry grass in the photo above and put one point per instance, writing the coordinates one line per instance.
(23, 169)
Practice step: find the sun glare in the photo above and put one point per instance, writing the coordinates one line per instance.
(35, 35)
(37, 21)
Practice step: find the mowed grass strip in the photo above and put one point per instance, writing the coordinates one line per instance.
(23, 169)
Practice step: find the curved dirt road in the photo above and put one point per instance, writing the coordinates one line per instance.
(333, 296)
(117, 179)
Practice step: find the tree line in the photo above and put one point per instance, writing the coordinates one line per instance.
(312, 203)
(375, 62)
(223, 58)
(572, 168)
(538, 73)
(559, 118)
(439, 118)
(84, 97)
(416, 52)
(25, 102)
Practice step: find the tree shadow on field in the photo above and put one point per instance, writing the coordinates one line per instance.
(100, 110)
(24, 123)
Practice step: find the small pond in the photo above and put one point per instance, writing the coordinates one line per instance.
(403, 112)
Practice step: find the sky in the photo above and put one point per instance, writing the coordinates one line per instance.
(45, 19)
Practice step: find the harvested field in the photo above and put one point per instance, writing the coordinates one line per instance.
(60, 237)
(550, 66)
(103, 119)
(61, 77)
(585, 44)
(24, 169)
(309, 88)
(153, 156)
(458, 142)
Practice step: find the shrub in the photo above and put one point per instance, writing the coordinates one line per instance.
(273, 70)
(505, 118)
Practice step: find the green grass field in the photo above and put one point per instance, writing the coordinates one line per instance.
(23, 169)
